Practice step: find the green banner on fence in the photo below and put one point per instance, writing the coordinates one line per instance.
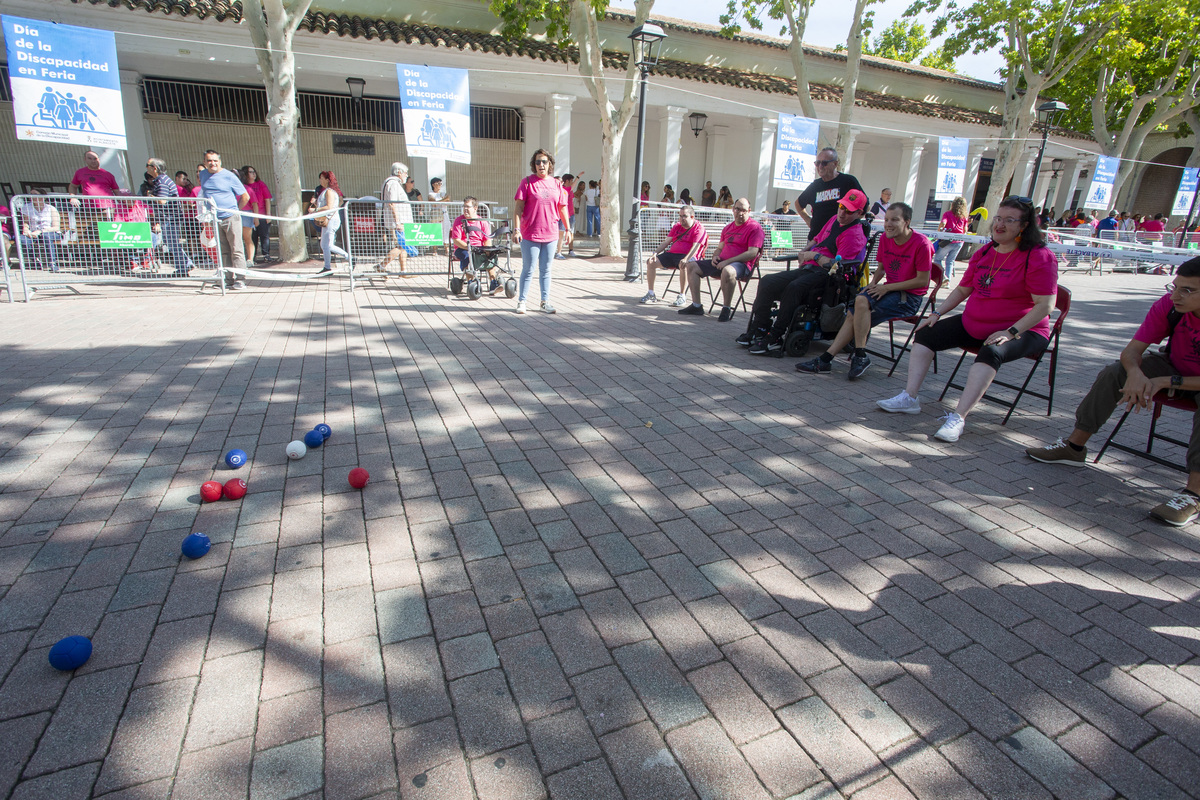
(423, 234)
(135, 235)
(781, 239)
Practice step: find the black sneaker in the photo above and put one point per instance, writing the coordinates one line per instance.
(692, 311)
(726, 314)
(748, 338)
(815, 366)
(858, 365)
(767, 346)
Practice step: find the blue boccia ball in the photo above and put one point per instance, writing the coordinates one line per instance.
(236, 458)
(314, 439)
(324, 430)
(195, 545)
(70, 653)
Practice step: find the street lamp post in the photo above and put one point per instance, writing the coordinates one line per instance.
(1047, 112)
(648, 36)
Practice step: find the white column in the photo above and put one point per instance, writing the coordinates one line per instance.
(1024, 171)
(848, 156)
(714, 157)
(762, 150)
(975, 153)
(125, 165)
(908, 172)
(533, 133)
(666, 168)
(1067, 182)
(556, 131)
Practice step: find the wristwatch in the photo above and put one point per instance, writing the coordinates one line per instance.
(1013, 332)
(1176, 381)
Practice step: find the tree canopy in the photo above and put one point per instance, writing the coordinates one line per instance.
(906, 40)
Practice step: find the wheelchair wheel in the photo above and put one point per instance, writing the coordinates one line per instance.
(797, 343)
(456, 285)
(473, 290)
(510, 288)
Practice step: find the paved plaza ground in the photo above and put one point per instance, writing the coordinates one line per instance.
(603, 554)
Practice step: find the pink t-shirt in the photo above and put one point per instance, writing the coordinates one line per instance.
(903, 262)
(954, 224)
(543, 198)
(683, 239)
(1154, 225)
(740, 238)
(1004, 285)
(186, 192)
(1185, 340)
(850, 243)
(128, 211)
(96, 183)
(260, 196)
(480, 231)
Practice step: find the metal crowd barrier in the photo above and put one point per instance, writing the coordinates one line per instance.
(784, 233)
(374, 242)
(63, 240)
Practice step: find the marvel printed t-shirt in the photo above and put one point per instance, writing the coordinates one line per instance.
(1185, 340)
(850, 242)
(1003, 288)
(954, 224)
(96, 183)
(683, 239)
(480, 231)
(740, 238)
(823, 196)
(543, 198)
(223, 188)
(903, 262)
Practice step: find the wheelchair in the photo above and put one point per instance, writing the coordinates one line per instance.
(822, 310)
(482, 261)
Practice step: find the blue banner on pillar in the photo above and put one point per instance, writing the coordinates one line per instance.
(795, 152)
(1186, 193)
(952, 168)
(1100, 193)
(65, 83)
(436, 106)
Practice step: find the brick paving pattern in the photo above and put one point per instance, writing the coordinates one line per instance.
(603, 554)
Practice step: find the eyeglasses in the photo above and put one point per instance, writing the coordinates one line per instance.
(1186, 291)
(542, 161)
(1010, 220)
(823, 162)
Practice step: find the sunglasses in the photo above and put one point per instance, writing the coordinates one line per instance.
(1012, 198)
(823, 162)
(541, 161)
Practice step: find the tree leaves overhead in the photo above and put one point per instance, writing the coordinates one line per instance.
(520, 18)
(905, 40)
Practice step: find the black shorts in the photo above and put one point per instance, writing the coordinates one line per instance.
(708, 270)
(670, 260)
(949, 333)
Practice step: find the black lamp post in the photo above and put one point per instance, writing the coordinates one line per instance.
(1047, 112)
(697, 120)
(646, 39)
(355, 85)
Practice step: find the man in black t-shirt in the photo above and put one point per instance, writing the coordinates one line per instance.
(824, 193)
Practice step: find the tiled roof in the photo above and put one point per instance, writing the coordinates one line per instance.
(416, 34)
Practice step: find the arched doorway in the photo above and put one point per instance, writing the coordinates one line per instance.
(1160, 181)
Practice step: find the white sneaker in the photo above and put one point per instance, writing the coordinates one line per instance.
(952, 428)
(238, 285)
(680, 301)
(521, 308)
(903, 403)
(649, 298)
(549, 309)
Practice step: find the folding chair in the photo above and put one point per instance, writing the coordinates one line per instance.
(1161, 400)
(935, 276)
(1063, 304)
(741, 295)
(673, 271)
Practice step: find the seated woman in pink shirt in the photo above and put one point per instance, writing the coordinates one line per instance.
(1010, 287)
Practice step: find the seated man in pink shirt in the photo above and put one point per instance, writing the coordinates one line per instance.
(737, 253)
(1138, 376)
(468, 232)
(686, 241)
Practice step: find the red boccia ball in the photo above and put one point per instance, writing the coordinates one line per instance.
(210, 491)
(359, 477)
(235, 489)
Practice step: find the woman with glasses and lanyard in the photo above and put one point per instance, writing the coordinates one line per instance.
(1009, 286)
(540, 206)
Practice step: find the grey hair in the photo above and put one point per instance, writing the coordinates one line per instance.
(836, 156)
(159, 165)
(399, 168)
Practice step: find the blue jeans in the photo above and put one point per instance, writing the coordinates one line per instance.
(593, 220)
(170, 235)
(946, 255)
(328, 237)
(45, 242)
(542, 252)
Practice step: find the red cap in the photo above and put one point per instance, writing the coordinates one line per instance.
(854, 200)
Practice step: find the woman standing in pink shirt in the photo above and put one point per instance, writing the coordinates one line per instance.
(256, 231)
(540, 207)
(953, 221)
